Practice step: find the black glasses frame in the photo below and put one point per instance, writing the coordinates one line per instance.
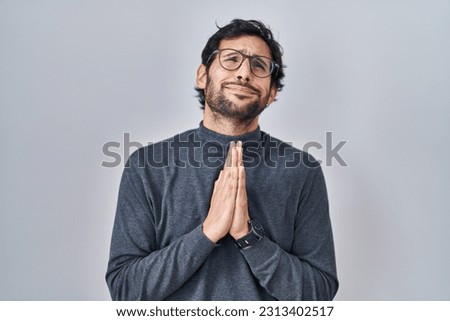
(273, 65)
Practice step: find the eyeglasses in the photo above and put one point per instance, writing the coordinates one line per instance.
(231, 59)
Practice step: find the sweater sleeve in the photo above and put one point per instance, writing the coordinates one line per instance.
(308, 270)
(137, 270)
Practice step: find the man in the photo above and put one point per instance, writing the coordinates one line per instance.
(195, 222)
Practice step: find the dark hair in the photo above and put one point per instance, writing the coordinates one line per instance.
(236, 28)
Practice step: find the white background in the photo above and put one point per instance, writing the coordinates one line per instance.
(77, 74)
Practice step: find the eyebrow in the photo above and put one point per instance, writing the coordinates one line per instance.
(245, 52)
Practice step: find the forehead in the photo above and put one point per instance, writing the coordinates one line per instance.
(250, 45)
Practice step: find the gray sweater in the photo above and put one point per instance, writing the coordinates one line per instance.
(158, 249)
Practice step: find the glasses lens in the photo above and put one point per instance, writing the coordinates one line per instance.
(230, 59)
(261, 66)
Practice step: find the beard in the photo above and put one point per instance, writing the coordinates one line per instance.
(223, 107)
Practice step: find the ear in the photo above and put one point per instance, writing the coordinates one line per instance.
(202, 75)
(272, 94)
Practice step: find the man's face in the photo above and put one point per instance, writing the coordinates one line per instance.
(238, 94)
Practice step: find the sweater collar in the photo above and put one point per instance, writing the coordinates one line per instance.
(212, 136)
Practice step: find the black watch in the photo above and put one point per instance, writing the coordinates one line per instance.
(255, 235)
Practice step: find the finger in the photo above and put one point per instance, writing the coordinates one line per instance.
(234, 157)
(242, 176)
(226, 178)
(216, 183)
(242, 192)
(229, 154)
(234, 182)
(240, 153)
(240, 215)
(220, 178)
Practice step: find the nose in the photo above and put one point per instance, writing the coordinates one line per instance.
(244, 72)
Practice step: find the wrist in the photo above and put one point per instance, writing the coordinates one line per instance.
(255, 234)
(211, 234)
(239, 234)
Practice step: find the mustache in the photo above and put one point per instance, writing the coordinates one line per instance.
(242, 84)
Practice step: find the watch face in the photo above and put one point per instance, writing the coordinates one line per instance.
(257, 228)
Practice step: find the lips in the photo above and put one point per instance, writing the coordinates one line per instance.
(241, 89)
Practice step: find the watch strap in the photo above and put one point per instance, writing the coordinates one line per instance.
(253, 237)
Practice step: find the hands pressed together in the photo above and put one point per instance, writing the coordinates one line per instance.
(228, 212)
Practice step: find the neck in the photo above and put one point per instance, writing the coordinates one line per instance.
(228, 126)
